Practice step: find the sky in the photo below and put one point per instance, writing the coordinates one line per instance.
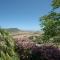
(23, 14)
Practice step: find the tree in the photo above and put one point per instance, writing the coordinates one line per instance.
(55, 4)
(51, 22)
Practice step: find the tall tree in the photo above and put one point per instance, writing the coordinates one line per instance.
(55, 4)
(51, 22)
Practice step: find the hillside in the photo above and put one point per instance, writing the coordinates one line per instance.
(13, 29)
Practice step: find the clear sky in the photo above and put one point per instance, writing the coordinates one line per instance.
(23, 14)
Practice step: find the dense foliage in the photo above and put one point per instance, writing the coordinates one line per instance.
(45, 53)
(51, 24)
(7, 46)
(56, 3)
(36, 39)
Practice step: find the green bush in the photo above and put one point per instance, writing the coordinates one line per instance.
(56, 39)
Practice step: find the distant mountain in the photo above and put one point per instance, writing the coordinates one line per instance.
(13, 29)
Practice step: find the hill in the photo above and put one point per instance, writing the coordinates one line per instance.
(13, 29)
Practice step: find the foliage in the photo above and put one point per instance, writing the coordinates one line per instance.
(45, 53)
(56, 40)
(31, 37)
(36, 39)
(51, 25)
(24, 52)
(7, 46)
(56, 3)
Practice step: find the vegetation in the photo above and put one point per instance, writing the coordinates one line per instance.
(13, 30)
(51, 25)
(7, 46)
(36, 39)
(55, 4)
(51, 28)
(45, 53)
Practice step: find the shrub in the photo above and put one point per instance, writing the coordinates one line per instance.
(42, 52)
(31, 37)
(45, 53)
(56, 39)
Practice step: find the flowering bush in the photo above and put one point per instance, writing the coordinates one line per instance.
(45, 53)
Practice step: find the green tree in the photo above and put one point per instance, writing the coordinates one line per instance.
(55, 4)
(51, 23)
